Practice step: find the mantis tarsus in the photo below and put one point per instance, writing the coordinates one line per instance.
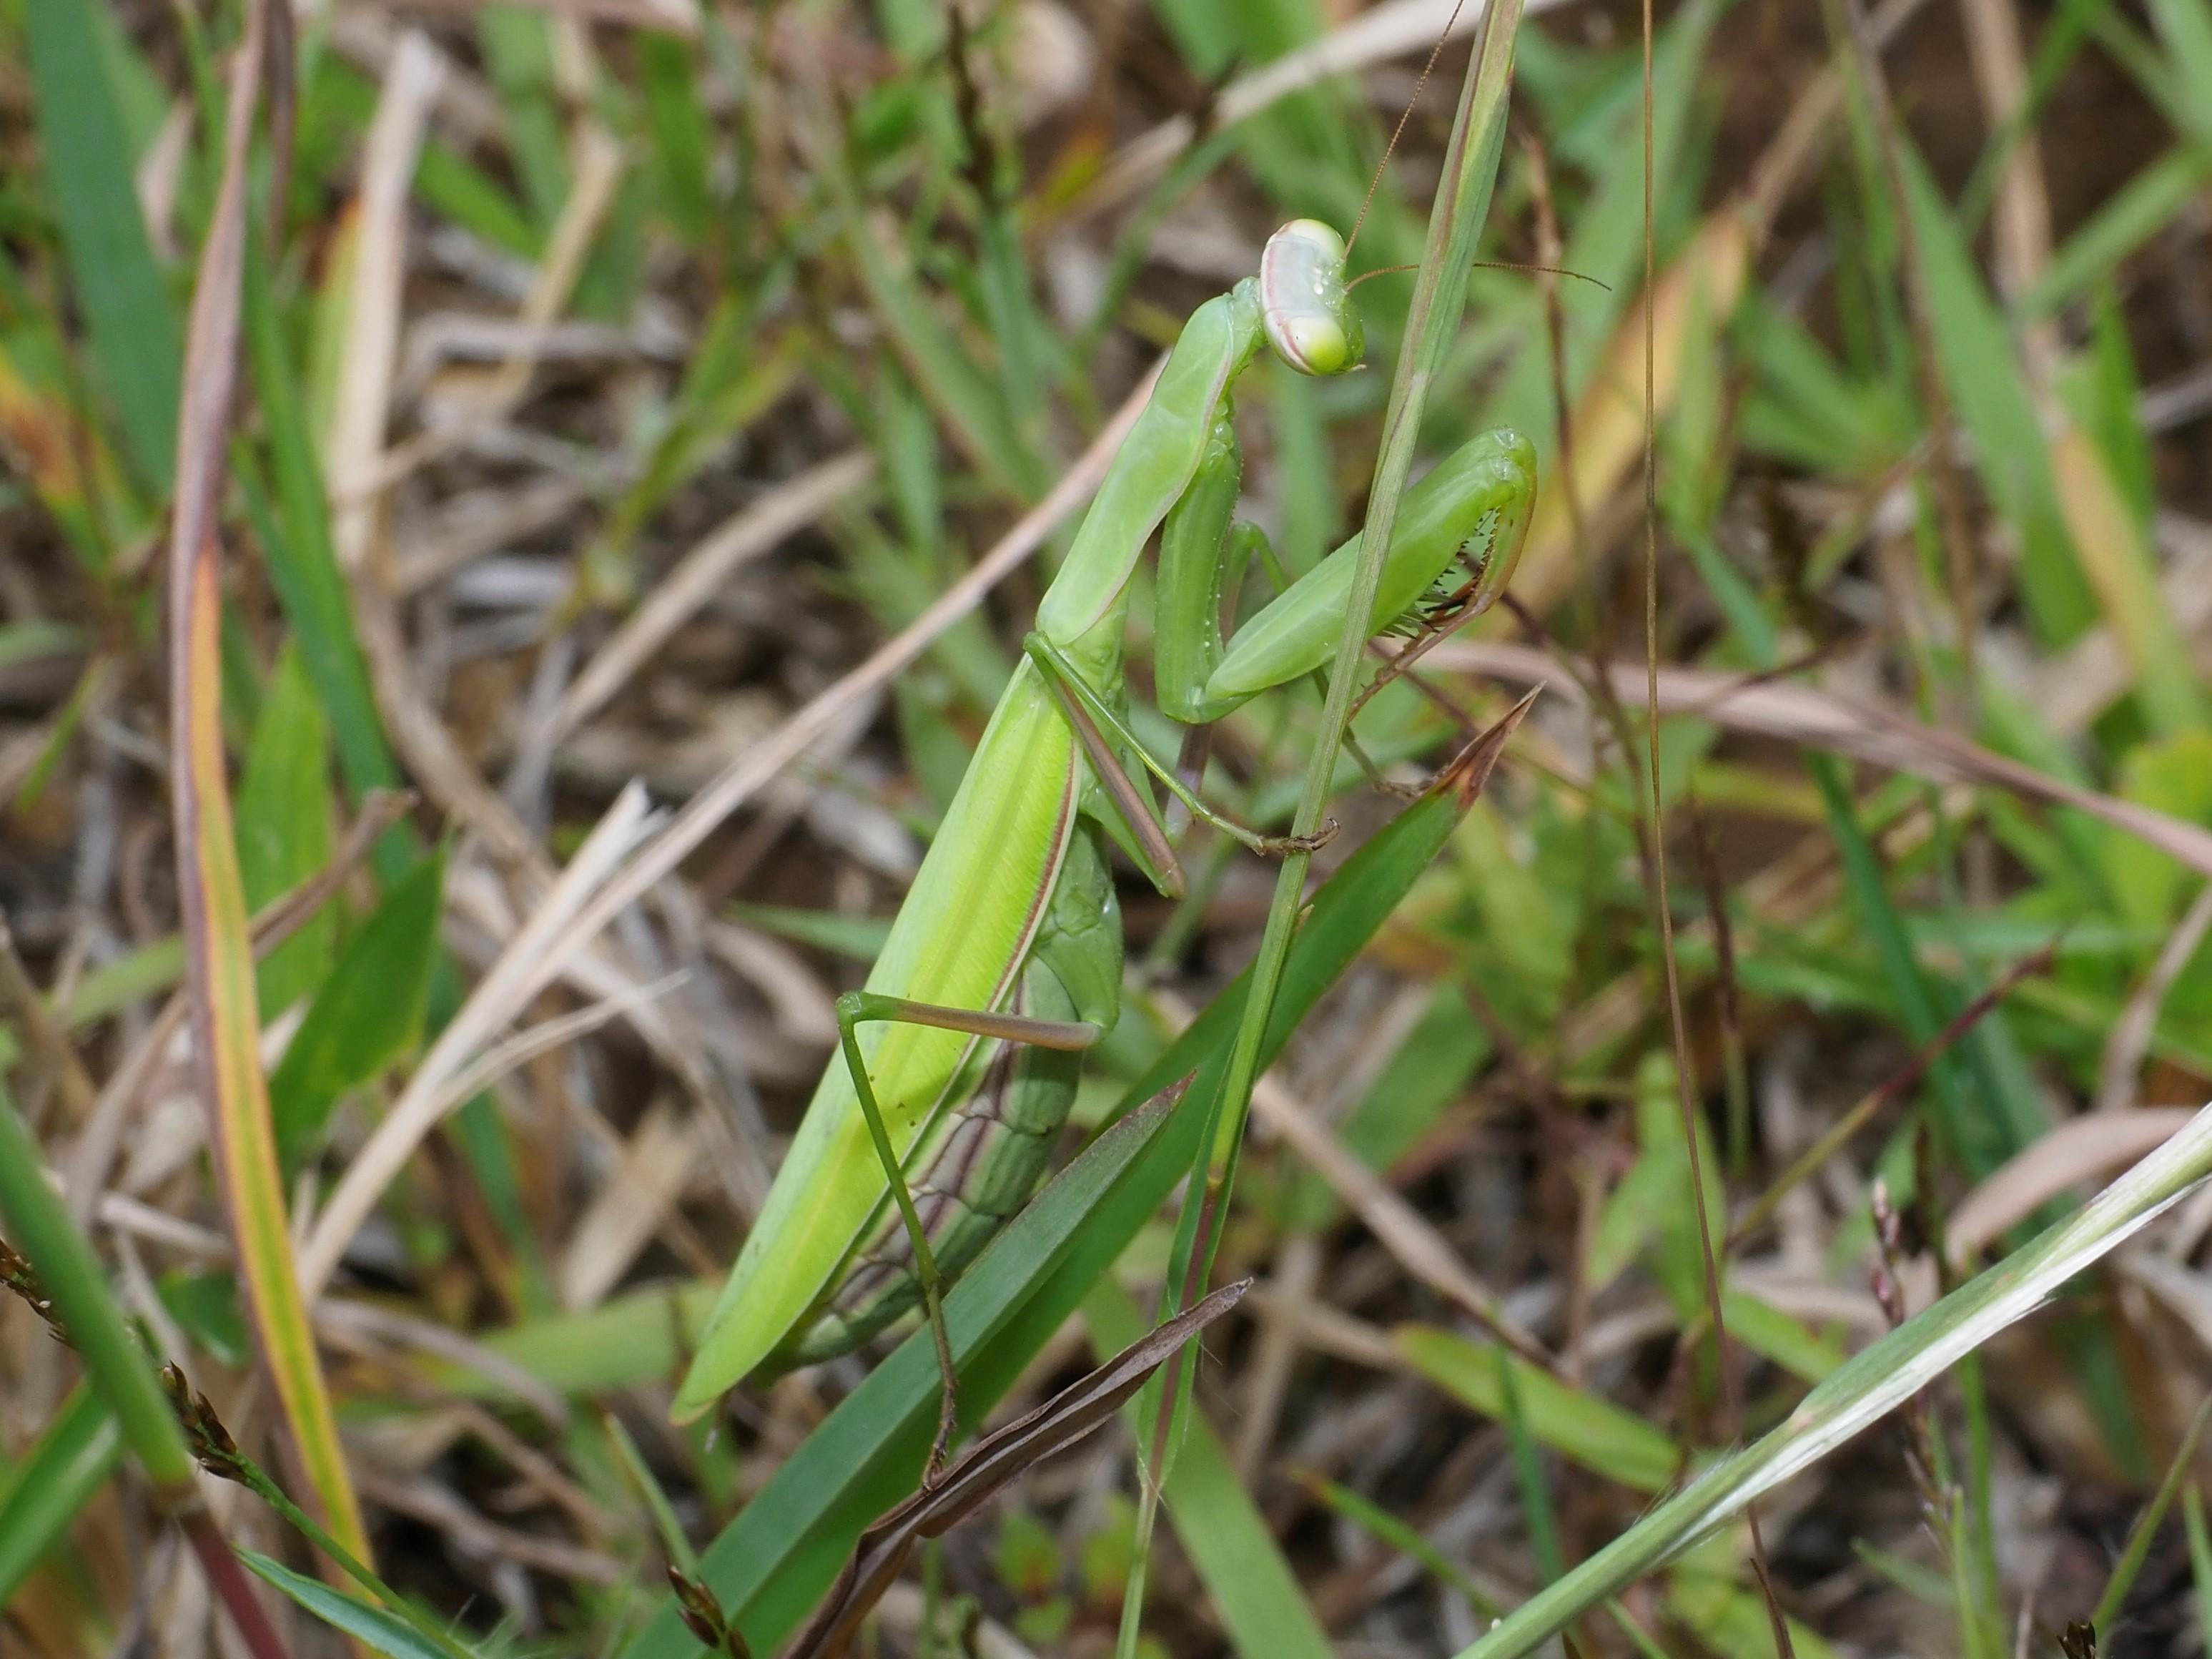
(1005, 962)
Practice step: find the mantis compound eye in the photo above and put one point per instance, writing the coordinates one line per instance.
(1303, 306)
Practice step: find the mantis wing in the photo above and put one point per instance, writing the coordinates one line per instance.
(959, 940)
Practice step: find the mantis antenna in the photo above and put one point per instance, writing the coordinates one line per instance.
(1404, 116)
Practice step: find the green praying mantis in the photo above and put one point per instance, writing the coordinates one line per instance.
(958, 1061)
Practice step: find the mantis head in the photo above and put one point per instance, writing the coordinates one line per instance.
(1310, 320)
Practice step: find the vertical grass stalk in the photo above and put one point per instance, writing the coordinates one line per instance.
(1462, 201)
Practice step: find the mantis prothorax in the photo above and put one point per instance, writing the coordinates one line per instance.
(958, 1062)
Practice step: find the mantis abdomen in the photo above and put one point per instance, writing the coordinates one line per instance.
(982, 1160)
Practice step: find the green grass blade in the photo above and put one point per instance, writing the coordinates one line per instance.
(2129, 1567)
(218, 950)
(668, 80)
(285, 829)
(2122, 567)
(1388, 1528)
(373, 1627)
(646, 1485)
(518, 50)
(1528, 1472)
(89, 168)
(2184, 29)
(70, 1275)
(1974, 1138)
(2127, 219)
(56, 1477)
(368, 1013)
(971, 403)
(1254, 1589)
(1981, 373)
(1606, 241)
(301, 561)
(2200, 1555)
(1592, 1432)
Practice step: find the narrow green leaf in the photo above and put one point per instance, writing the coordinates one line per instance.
(70, 1275)
(91, 186)
(668, 79)
(2184, 29)
(373, 1627)
(61, 733)
(1606, 241)
(36, 637)
(518, 50)
(857, 938)
(1529, 1473)
(301, 564)
(2174, 775)
(368, 1013)
(1592, 1433)
(2122, 567)
(1777, 1336)
(2130, 1565)
(2123, 220)
(1977, 1135)
(1430, 1071)
(219, 950)
(673, 1542)
(2200, 1557)
(285, 827)
(1730, 1618)
(1398, 1536)
(40, 1496)
(1982, 373)
(971, 403)
(206, 1308)
(1874, 1382)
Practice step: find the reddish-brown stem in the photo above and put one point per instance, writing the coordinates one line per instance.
(228, 1581)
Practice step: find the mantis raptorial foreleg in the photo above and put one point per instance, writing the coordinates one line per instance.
(1106, 736)
(856, 1008)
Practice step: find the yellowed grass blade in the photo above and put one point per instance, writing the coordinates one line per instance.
(218, 950)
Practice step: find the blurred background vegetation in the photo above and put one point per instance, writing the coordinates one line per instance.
(613, 376)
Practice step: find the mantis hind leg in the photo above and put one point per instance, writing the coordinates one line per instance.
(856, 1008)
